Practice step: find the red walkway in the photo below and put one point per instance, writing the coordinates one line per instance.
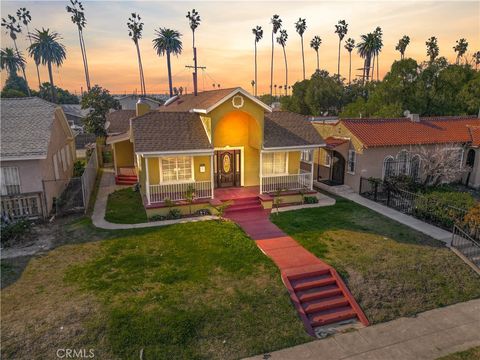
(317, 291)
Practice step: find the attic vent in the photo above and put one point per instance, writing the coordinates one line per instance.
(413, 117)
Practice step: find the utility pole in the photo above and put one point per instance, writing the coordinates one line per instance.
(195, 71)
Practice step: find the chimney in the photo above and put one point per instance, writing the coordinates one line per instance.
(415, 118)
(142, 107)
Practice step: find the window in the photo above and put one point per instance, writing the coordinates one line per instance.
(10, 180)
(64, 162)
(403, 163)
(274, 163)
(325, 158)
(306, 156)
(388, 167)
(55, 166)
(352, 157)
(177, 168)
(415, 167)
(69, 158)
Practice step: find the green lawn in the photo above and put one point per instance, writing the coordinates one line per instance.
(471, 354)
(391, 269)
(125, 207)
(187, 291)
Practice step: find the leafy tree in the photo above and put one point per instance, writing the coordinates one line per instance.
(432, 48)
(341, 29)
(267, 99)
(168, 42)
(63, 96)
(11, 61)
(17, 84)
(476, 59)
(460, 48)
(402, 46)
(258, 33)
(12, 93)
(315, 45)
(276, 25)
(300, 27)
(135, 28)
(469, 96)
(296, 102)
(324, 94)
(100, 101)
(47, 49)
(282, 40)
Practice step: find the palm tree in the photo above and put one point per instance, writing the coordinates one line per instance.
(432, 48)
(135, 28)
(282, 40)
(341, 29)
(275, 86)
(476, 59)
(11, 61)
(350, 45)
(460, 48)
(12, 29)
(47, 50)
(168, 42)
(258, 32)
(301, 26)
(366, 49)
(378, 47)
(194, 20)
(24, 16)
(78, 18)
(276, 25)
(402, 45)
(253, 86)
(315, 45)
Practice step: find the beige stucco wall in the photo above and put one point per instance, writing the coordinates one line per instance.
(123, 153)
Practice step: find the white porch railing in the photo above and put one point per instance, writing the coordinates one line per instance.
(177, 191)
(272, 183)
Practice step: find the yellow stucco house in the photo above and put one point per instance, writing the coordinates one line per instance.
(217, 142)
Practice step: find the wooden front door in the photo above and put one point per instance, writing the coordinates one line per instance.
(227, 169)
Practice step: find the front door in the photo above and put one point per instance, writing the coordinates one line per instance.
(227, 169)
(337, 168)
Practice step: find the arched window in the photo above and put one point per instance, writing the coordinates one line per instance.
(415, 167)
(402, 159)
(388, 167)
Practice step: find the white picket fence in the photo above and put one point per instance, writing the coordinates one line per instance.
(272, 183)
(177, 191)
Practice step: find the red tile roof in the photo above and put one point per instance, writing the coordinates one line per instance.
(475, 135)
(403, 131)
(334, 142)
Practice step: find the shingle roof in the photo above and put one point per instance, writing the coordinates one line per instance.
(203, 100)
(26, 127)
(287, 129)
(118, 121)
(75, 110)
(169, 131)
(403, 131)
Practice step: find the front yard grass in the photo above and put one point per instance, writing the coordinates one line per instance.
(188, 291)
(470, 354)
(390, 269)
(125, 207)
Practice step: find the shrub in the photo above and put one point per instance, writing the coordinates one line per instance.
(174, 214)
(78, 168)
(310, 200)
(13, 231)
(158, 217)
(203, 212)
(471, 221)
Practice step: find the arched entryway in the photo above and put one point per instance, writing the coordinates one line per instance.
(470, 163)
(338, 168)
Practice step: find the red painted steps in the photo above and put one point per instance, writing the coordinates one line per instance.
(126, 179)
(321, 297)
(246, 204)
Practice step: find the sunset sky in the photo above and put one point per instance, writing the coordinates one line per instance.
(225, 40)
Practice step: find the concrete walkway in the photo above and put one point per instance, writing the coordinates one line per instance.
(107, 186)
(429, 335)
(423, 227)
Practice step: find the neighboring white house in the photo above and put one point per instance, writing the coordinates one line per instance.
(129, 102)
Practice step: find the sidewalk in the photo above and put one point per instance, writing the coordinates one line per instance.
(423, 227)
(429, 335)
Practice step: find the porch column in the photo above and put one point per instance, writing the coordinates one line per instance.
(311, 171)
(114, 159)
(261, 172)
(212, 175)
(147, 181)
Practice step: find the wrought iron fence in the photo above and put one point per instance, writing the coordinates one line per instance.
(466, 244)
(407, 202)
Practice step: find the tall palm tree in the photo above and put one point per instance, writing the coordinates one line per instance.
(135, 28)
(378, 47)
(460, 48)
(300, 27)
(315, 45)
(350, 45)
(341, 30)
(167, 43)
(402, 45)
(366, 49)
(476, 59)
(282, 40)
(276, 25)
(78, 18)
(24, 16)
(11, 61)
(47, 50)
(258, 32)
(12, 29)
(432, 48)
(194, 20)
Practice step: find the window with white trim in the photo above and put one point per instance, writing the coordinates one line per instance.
(64, 162)
(10, 180)
(69, 157)
(177, 168)
(55, 166)
(306, 155)
(352, 158)
(274, 163)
